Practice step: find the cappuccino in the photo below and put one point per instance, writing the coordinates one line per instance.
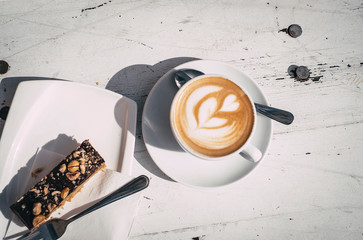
(212, 117)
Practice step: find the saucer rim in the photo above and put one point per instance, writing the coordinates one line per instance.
(263, 100)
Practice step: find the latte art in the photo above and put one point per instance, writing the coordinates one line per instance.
(213, 116)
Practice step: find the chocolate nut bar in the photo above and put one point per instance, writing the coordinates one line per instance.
(59, 186)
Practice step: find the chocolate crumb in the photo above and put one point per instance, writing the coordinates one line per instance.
(4, 112)
(4, 67)
(35, 173)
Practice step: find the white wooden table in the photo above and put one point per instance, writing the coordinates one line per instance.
(310, 184)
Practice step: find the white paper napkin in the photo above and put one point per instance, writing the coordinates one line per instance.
(110, 222)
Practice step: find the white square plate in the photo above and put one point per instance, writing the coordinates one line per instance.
(58, 116)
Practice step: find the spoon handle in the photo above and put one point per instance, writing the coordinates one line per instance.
(129, 188)
(279, 115)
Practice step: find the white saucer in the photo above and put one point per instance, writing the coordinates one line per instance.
(168, 155)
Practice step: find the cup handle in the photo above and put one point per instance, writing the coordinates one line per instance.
(251, 153)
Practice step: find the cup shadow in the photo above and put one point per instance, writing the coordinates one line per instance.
(135, 82)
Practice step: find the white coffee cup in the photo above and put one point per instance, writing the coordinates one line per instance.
(214, 118)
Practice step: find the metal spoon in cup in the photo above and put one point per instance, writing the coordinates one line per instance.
(184, 75)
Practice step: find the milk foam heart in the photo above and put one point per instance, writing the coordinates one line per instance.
(213, 116)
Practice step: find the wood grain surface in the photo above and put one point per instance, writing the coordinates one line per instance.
(310, 184)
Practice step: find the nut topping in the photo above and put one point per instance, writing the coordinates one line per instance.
(64, 193)
(76, 154)
(46, 190)
(82, 161)
(38, 219)
(83, 168)
(62, 168)
(55, 192)
(83, 152)
(37, 208)
(73, 176)
(51, 206)
(73, 166)
(34, 190)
